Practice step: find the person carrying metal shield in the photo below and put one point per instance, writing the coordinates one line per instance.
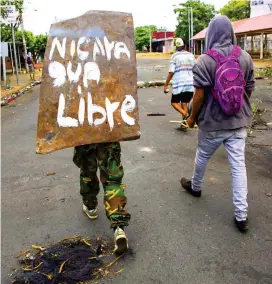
(89, 101)
(106, 157)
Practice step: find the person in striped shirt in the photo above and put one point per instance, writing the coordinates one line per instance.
(180, 71)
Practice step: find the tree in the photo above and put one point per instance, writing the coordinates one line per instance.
(39, 45)
(142, 36)
(236, 9)
(5, 32)
(29, 37)
(35, 44)
(202, 14)
(19, 5)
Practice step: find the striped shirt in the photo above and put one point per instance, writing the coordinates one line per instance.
(181, 64)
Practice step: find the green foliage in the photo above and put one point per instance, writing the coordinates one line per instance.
(35, 44)
(5, 32)
(236, 9)
(256, 119)
(19, 5)
(263, 72)
(39, 45)
(202, 14)
(29, 37)
(142, 36)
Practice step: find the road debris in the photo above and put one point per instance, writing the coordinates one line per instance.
(155, 114)
(70, 261)
(261, 145)
(212, 180)
(51, 174)
(146, 84)
(12, 97)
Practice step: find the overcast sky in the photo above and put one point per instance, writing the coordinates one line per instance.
(39, 14)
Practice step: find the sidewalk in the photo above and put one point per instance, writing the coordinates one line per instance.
(258, 63)
(24, 80)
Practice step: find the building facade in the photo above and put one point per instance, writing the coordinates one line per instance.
(260, 8)
(163, 41)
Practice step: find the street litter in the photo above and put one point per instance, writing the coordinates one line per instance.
(12, 97)
(183, 123)
(155, 114)
(72, 260)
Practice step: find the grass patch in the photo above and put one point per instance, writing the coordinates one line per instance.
(263, 72)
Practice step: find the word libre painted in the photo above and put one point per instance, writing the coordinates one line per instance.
(89, 71)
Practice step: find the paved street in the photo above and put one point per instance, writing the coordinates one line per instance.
(175, 237)
(152, 69)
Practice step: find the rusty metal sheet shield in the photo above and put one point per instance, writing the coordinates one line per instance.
(89, 85)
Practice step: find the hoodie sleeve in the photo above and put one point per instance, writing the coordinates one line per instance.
(250, 78)
(203, 72)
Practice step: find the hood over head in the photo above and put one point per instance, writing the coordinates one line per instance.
(220, 33)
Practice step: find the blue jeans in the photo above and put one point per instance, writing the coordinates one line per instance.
(234, 143)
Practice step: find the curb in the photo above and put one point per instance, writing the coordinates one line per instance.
(147, 84)
(12, 97)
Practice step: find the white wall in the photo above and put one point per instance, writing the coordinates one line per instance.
(169, 45)
(260, 7)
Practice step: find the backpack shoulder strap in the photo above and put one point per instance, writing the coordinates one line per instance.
(217, 56)
(236, 51)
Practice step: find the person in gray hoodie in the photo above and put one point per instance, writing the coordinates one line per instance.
(216, 127)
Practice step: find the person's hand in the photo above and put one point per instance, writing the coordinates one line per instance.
(191, 122)
(166, 90)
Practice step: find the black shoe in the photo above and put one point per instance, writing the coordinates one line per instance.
(187, 185)
(241, 225)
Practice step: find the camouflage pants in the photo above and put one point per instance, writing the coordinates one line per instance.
(106, 156)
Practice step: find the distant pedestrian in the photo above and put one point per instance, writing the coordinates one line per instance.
(31, 68)
(224, 81)
(180, 71)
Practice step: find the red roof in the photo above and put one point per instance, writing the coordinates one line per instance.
(245, 26)
(161, 35)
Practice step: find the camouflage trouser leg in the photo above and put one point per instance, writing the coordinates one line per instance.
(111, 174)
(85, 158)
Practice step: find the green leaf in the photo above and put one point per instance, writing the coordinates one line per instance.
(202, 14)
(19, 5)
(142, 36)
(236, 9)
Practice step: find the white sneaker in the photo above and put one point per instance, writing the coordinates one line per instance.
(120, 241)
(92, 214)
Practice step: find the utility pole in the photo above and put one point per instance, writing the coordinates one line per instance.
(190, 23)
(24, 43)
(192, 29)
(165, 35)
(11, 55)
(15, 55)
(150, 39)
(165, 40)
(19, 59)
(189, 29)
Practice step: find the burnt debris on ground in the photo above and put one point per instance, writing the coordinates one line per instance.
(72, 260)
